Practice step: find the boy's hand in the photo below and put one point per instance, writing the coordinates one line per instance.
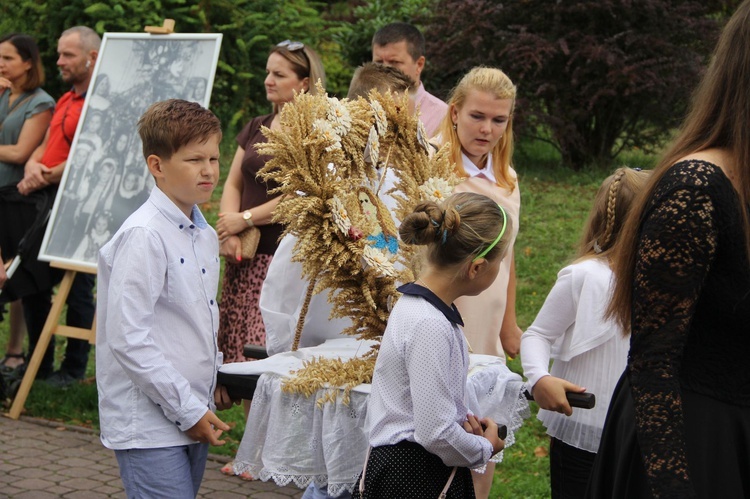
(549, 393)
(222, 400)
(208, 429)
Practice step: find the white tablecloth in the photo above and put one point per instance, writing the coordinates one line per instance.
(289, 438)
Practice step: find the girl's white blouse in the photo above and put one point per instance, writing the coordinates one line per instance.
(587, 349)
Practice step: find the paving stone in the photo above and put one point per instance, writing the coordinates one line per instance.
(30, 472)
(35, 494)
(87, 494)
(39, 460)
(6, 467)
(79, 472)
(33, 484)
(59, 490)
(112, 491)
(225, 494)
(52, 467)
(80, 483)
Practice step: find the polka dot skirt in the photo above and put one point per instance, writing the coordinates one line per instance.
(407, 471)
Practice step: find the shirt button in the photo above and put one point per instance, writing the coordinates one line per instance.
(181, 226)
(182, 260)
(192, 226)
(204, 270)
(212, 302)
(178, 423)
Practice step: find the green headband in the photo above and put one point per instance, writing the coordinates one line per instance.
(497, 239)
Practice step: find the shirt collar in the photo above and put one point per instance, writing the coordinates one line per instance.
(78, 96)
(450, 313)
(174, 214)
(421, 92)
(472, 170)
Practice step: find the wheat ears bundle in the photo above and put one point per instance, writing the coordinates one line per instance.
(330, 158)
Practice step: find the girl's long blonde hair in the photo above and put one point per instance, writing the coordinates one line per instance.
(496, 83)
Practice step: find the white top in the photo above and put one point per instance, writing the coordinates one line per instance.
(419, 384)
(473, 170)
(156, 355)
(588, 350)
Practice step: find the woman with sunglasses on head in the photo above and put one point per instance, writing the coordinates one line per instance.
(292, 68)
(25, 114)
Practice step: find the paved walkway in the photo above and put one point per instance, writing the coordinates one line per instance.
(40, 459)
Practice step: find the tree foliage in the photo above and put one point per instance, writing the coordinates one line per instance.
(366, 19)
(594, 76)
(249, 28)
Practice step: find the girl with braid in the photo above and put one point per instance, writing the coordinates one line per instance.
(589, 351)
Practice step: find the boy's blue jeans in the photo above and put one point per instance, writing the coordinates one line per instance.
(168, 472)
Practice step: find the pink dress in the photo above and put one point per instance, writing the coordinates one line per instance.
(483, 314)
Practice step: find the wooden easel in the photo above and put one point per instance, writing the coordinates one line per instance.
(165, 29)
(52, 326)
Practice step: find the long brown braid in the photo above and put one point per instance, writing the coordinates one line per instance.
(611, 204)
(614, 186)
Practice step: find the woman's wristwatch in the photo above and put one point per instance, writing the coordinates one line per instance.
(247, 216)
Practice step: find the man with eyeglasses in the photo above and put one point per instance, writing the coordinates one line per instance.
(78, 49)
(402, 46)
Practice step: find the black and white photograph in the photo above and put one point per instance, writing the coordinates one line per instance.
(106, 180)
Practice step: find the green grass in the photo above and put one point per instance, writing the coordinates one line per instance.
(554, 205)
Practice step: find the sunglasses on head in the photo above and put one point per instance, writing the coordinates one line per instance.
(291, 46)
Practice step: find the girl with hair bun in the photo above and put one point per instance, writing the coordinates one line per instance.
(422, 437)
(479, 128)
(589, 351)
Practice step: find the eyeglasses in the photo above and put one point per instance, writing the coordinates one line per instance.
(291, 46)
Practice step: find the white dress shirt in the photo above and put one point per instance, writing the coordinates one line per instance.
(419, 384)
(156, 355)
(587, 349)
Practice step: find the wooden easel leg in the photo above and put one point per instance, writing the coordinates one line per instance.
(44, 338)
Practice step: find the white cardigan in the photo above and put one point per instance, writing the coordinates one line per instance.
(587, 350)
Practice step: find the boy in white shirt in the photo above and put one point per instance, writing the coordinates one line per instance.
(157, 356)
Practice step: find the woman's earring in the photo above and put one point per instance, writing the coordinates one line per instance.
(455, 127)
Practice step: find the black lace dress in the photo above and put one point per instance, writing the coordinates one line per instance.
(679, 422)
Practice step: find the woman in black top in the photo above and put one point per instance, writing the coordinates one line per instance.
(679, 421)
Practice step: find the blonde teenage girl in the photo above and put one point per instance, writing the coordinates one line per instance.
(479, 127)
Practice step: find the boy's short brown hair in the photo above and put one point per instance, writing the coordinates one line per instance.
(378, 76)
(168, 125)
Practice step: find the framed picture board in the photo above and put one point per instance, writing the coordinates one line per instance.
(105, 178)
